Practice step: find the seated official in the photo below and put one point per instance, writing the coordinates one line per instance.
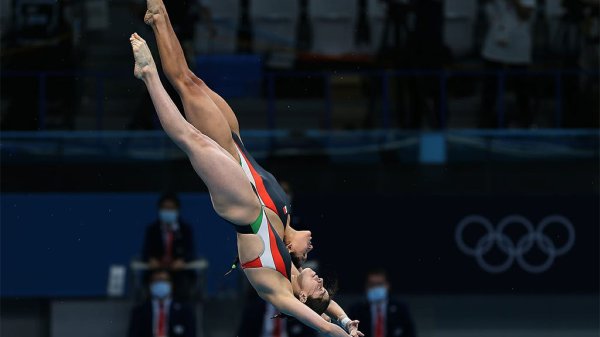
(379, 314)
(169, 244)
(161, 315)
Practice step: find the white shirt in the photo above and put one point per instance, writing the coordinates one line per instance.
(269, 322)
(509, 38)
(155, 313)
(383, 307)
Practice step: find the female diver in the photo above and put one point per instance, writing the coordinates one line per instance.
(210, 114)
(235, 200)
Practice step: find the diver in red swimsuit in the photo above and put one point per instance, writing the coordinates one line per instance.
(210, 114)
(300, 295)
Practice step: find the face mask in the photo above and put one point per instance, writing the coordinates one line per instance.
(160, 289)
(168, 216)
(377, 294)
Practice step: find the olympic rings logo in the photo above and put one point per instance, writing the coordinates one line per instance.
(514, 250)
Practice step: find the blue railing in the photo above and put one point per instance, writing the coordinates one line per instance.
(43, 76)
(455, 145)
(385, 76)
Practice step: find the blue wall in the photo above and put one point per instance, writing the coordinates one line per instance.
(63, 244)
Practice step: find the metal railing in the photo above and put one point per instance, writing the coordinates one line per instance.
(385, 76)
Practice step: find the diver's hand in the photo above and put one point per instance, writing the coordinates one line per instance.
(334, 330)
(352, 328)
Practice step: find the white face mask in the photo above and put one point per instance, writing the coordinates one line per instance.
(168, 216)
(377, 294)
(160, 289)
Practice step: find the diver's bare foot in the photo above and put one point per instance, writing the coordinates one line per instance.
(144, 64)
(150, 18)
(153, 8)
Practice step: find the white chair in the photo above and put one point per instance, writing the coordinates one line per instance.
(377, 15)
(554, 9)
(224, 8)
(377, 9)
(274, 24)
(459, 25)
(556, 29)
(274, 8)
(333, 24)
(225, 15)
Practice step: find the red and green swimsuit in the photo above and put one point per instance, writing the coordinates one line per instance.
(275, 255)
(271, 194)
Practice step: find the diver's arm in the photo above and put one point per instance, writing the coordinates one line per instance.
(336, 312)
(291, 306)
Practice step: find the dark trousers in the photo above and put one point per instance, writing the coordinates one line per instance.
(522, 116)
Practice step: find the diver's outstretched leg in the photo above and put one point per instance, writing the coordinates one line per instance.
(231, 193)
(199, 108)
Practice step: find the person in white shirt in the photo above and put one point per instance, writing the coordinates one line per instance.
(508, 46)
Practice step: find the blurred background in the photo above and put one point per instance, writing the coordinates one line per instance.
(444, 154)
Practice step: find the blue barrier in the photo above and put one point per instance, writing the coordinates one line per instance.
(61, 245)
